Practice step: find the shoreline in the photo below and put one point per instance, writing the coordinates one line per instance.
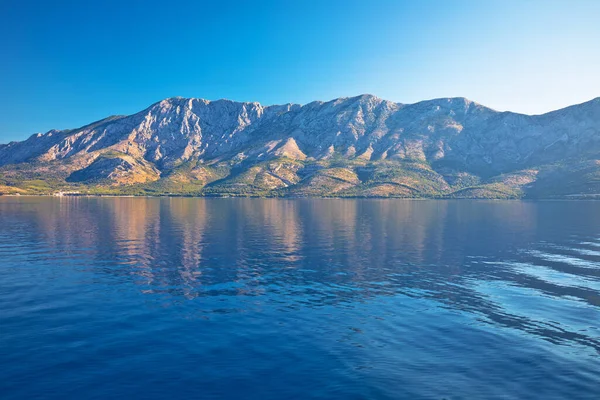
(565, 198)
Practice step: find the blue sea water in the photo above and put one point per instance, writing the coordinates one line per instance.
(105, 298)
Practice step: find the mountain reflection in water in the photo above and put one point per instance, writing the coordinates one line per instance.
(329, 298)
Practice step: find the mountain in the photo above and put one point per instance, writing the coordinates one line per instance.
(358, 146)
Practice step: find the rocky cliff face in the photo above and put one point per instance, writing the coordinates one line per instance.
(360, 146)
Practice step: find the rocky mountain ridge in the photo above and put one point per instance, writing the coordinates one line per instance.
(358, 146)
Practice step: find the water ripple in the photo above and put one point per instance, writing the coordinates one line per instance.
(237, 298)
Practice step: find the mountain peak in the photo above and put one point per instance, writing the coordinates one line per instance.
(366, 97)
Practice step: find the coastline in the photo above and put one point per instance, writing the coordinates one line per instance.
(594, 197)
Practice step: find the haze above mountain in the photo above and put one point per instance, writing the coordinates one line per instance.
(358, 146)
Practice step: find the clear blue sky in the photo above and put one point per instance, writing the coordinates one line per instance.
(67, 63)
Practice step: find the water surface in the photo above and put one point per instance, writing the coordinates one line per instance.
(252, 298)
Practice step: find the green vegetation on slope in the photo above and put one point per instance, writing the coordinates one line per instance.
(284, 177)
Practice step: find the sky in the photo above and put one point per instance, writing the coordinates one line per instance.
(67, 63)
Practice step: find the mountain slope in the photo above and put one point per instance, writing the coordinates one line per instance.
(359, 146)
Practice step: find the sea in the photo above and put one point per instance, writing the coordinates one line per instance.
(241, 298)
